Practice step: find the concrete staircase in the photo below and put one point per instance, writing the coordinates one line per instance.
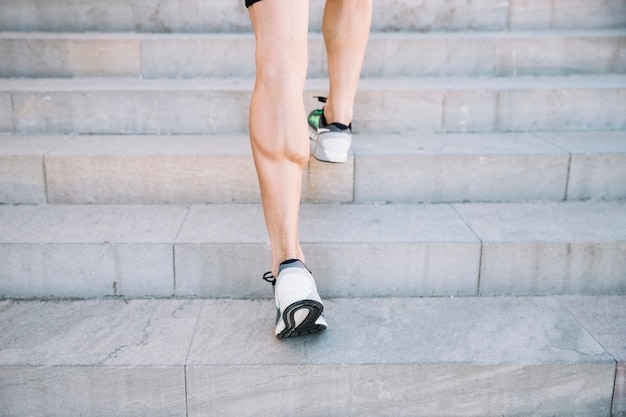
(472, 251)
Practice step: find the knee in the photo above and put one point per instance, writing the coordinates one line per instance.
(281, 77)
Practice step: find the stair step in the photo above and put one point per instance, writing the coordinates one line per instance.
(436, 168)
(388, 54)
(492, 167)
(390, 105)
(393, 356)
(231, 16)
(402, 250)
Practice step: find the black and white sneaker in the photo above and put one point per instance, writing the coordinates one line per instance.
(299, 308)
(329, 142)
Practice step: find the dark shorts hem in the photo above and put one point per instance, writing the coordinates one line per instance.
(251, 2)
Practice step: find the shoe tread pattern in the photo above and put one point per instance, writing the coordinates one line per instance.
(308, 326)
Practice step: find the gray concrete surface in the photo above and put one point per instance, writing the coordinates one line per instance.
(390, 54)
(431, 105)
(538, 248)
(410, 250)
(393, 356)
(597, 167)
(434, 168)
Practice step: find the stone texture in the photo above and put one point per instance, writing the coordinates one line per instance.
(100, 332)
(605, 319)
(433, 15)
(399, 390)
(22, 177)
(88, 251)
(552, 248)
(194, 55)
(231, 16)
(428, 55)
(459, 167)
(598, 164)
(376, 360)
(216, 106)
(389, 54)
(219, 169)
(130, 106)
(6, 113)
(178, 169)
(328, 183)
(415, 106)
(496, 356)
(217, 258)
(495, 54)
(115, 357)
(124, 16)
(561, 53)
(408, 250)
(619, 396)
(166, 16)
(152, 169)
(470, 111)
(562, 109)
(579, 14)
(44, 55)
(185, 56)
(96, 391)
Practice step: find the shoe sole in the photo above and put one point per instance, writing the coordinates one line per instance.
(308, 325)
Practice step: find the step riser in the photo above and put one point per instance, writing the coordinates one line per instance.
(160, 180)
(99, 270)
(87, 270)
(386, 111)
(231, 15)
(387, 55)
(397, 390)
(404, 390)
(410, 250)
(116, 392)
(388, 357)
(204, 169)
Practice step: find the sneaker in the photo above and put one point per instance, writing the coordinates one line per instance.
(329, 142)
(299, 308)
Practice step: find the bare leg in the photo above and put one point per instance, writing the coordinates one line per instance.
(346, 27)
(278, 128)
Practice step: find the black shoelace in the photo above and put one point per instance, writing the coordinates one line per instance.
(269, 277)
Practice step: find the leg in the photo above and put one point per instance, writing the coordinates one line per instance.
(278, 129)
(280, 146)
(346, 27)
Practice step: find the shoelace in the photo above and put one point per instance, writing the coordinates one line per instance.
(269, 277)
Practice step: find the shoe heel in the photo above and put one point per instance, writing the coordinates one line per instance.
(326, 155)
(338, 157)
(309, 324)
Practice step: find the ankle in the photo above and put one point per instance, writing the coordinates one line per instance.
(330, 115)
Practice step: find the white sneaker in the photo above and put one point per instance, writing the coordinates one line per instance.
(299, 308)
(330, 142)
